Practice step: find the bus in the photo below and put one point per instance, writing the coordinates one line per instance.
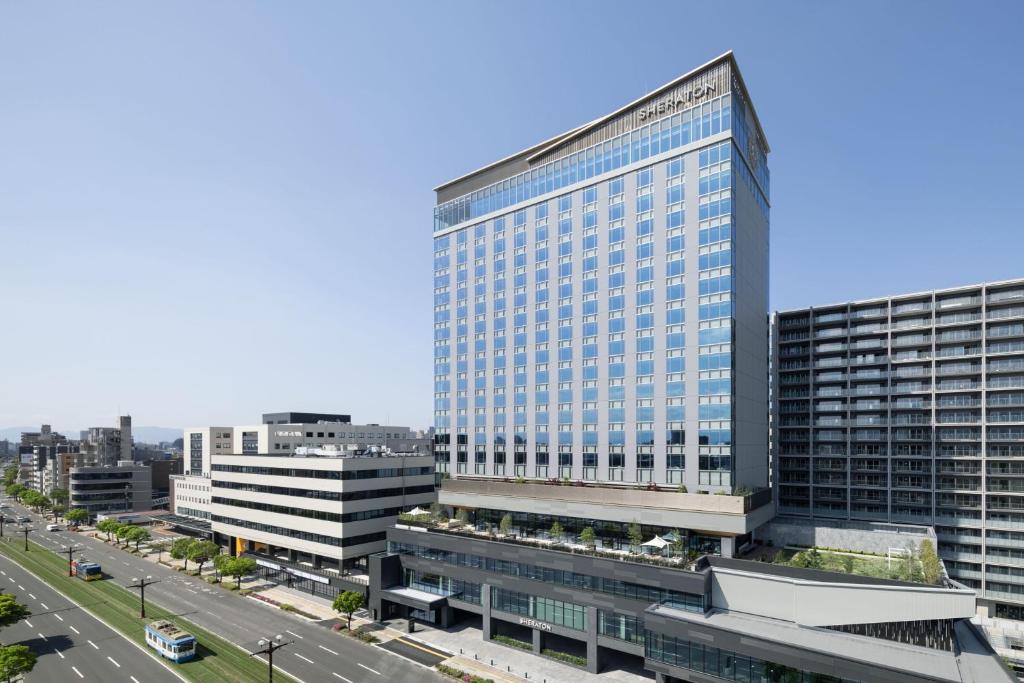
(87, 571)
(170, 641)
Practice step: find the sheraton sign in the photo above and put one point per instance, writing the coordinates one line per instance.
(533, 623)
(677, 101)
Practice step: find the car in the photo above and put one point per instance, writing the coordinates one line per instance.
(53, 527)
(22, 519)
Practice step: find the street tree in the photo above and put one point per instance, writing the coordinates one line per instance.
(201, 552)
(122, 531)
(108, 526)
(16, 660)
(179, 549)
(137, 535)
(347, 603)
(76, 516)
(12, 611)
(237, 567)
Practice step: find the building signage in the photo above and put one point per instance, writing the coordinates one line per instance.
(677, 101)
(532, 623)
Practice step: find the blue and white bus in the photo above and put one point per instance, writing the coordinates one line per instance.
(170, 641)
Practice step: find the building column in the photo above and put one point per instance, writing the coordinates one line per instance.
(593, 652)
(318, 562)
(728, 546)
(659, 677)
(293, 555)
(538, 641)
(447, 616)
(485, 603)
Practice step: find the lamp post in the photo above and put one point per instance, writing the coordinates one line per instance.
(69, 549)
(3, 518)
(141, 585)
(269, 647)
(25, 529)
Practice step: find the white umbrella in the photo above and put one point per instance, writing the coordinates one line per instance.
(656, 542)
(418, 511)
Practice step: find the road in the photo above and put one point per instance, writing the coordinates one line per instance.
(72, 645)
(315, 654)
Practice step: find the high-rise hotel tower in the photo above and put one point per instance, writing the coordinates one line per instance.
(601, 299)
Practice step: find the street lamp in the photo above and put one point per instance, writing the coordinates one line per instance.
(141, 585)
(69, 549)
(269, 647)
(3, 518)
(25, 529)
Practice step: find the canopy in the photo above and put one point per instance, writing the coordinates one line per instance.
(656, 542)
(418, 511)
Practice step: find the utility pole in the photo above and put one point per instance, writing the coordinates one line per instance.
(25, 530)
(269, 647)
(141, 585)
(69, 550)
(3, 518)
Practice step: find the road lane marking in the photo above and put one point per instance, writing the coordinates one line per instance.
(114, 661)
(341, 677)
(29, 623)
(328, 650)
(20, 587)
(293, 633)
(44, 605)
(59, 653)
(369, 669)
(59, 617)
(42, 636)
(77, 672)
(301, 657)
(134, 679)
(93, 644)
(74, 629)
(32, 596)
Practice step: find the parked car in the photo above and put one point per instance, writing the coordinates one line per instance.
(21, 519)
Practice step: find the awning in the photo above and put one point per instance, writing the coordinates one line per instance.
(410, 597)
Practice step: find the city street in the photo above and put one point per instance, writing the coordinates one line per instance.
(314, 653)
(71, 644)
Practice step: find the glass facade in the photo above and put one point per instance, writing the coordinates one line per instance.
(730, 666)
(571, 331)
(559, 612)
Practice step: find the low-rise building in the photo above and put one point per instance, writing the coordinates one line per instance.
(125, 487)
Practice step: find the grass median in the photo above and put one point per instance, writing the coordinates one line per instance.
(218, 661)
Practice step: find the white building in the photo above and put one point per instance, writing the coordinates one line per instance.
(325, 507)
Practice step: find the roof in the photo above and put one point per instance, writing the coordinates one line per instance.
(169, 630)
(939, 664)
(535, 151)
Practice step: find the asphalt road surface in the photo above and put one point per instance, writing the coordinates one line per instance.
(71, 644)
(314, 655)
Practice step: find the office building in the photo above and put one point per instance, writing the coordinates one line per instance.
(122, 487)
(106, 446)
(276, 436)
(325, 507)
(910, 408)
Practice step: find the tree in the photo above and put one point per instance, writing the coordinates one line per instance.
(179, 549)
(930, 564)
(587, 537)
(160, 547)
(12, 611)
(506, 524)
(347, 603)
(14, 490)
(557, 531)
(33, 499)
(220, 561)
(201, 552)
(678, 542)
(137, 535)
(121, 532)
(462, 516)
(237, 567)
(59, 495)
(437, 512)
(14, 660)
(635, 534)
(10, 474)
(76, 516)
(107, 526)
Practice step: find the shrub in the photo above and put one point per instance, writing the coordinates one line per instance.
(565, 657)
(461, 675)
(514, 642)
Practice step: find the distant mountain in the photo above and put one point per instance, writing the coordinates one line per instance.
(155, 434)
(152, 435)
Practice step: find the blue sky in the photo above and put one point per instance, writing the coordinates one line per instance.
(211, 210)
